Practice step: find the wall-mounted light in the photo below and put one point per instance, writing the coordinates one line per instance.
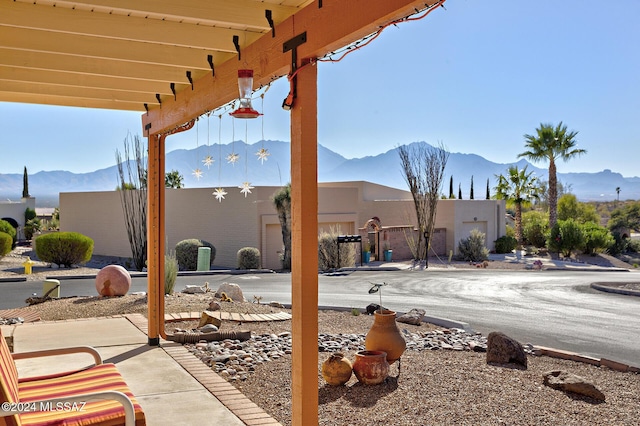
(245, 86)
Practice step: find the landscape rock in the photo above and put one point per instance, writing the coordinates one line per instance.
(195, 289)
(569, 382)
(372, 307)
(232, 291)
(113, 280)
(214, 305)
(502, 349)
(414, 316)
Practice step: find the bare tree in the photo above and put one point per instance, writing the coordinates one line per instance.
(423, 167)
(133, 195)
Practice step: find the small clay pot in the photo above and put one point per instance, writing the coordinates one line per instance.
(336, 370)
(371, 367)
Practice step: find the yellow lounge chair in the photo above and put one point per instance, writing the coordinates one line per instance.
(96, 395)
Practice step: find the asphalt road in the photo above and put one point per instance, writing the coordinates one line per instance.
(549, 308)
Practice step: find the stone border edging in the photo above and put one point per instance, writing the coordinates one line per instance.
(573, 356)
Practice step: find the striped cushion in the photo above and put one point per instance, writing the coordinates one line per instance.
(8, 381)
(99, 378)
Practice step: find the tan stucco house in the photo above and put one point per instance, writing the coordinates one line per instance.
(238, 221)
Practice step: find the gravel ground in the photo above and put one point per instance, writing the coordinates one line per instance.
(441, 387)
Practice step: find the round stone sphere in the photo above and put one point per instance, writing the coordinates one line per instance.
(113, 280)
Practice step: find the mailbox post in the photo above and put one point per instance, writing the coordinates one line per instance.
(349, 239)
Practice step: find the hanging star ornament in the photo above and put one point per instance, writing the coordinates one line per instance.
(219, 193)
(246, 188)
(263, 154)
(233, 158)
(197, 173)
(208, 161)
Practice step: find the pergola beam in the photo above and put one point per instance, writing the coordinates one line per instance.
(329, 28)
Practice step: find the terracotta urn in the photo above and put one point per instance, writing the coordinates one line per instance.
(371, 367)
(113, 280)
(336, 370)
(384, 335)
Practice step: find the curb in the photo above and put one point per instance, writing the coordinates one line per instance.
(180, 274)
(612, 289)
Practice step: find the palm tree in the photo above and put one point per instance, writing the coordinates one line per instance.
(520, 188)
(551, 143)
(618, 192)
(282, 202)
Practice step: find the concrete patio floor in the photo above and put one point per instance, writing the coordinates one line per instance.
(172, 386)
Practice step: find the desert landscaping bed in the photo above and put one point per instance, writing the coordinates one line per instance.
(444, 387)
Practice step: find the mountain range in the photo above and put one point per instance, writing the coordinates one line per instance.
(383, 169)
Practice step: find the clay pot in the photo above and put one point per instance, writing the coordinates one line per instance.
(371, 367)
(385, 336)
(336, 370)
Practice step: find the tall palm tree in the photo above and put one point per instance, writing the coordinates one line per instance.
(519, 187)
(552, 143)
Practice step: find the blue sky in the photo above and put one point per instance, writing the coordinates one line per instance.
(476, 77)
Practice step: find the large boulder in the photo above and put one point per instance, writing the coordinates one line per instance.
(232, 291)
(568, 382)
(502, 349)
(413, 317)
(113, 280)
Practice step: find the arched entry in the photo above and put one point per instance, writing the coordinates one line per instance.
(372, 235)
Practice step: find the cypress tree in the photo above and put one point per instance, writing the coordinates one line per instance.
(25, 184)
(451, 188)
(459, 191)
(471, 191)
(488, 193)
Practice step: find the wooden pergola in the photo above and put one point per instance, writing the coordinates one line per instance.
(176, 60)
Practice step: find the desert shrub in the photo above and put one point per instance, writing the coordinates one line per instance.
(633, 246)
(32, 226)
(510, 231)
(620, 244)
(565, 237)
(473, 248)
(64, 248)
(597, 239)
(248, 258)
(505, 244)
(8, 228)
(6, 242)
(187, 253)
(170, 272)
(328, 251)
(29, 214)
(535, 227)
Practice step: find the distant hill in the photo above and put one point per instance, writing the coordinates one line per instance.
(382, 169)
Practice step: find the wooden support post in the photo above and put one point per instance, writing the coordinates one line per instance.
(155, 238)
(304, 249)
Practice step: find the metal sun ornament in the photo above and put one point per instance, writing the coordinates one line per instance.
(197, 173)
(219, 193)
(246, 188)
(263, 153)
(208, 161)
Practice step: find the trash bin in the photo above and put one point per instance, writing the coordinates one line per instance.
(204, 258)
(48, 285)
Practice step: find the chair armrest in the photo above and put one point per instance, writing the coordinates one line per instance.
(129, 411)
(61, 351)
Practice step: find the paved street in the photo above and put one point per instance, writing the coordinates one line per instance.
(549, 308)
